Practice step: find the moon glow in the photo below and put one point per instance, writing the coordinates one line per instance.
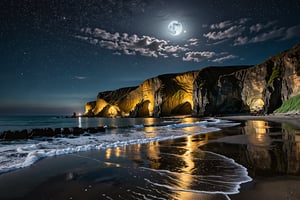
(175, 28)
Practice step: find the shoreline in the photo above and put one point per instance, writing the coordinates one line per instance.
(71, 167)
(292, 119)
(275, 188)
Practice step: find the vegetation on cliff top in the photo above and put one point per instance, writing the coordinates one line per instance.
(276, 73)
(290, 105)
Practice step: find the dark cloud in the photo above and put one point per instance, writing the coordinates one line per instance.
(292, 32)
(259, 26)
(272, 34)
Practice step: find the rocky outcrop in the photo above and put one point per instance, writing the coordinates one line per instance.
(213, 90)
(170, 94)
(207, 93)
(261, 88)
(48, 132)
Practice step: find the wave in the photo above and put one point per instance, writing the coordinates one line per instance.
(20, 154)
(225, 176)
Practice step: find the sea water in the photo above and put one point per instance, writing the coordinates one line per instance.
(119, 132)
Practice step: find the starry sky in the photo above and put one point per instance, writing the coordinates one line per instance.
(56, 55)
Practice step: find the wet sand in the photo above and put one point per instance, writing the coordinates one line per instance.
(270, 152)
(278, 184)
(292, 119)
(277, 188)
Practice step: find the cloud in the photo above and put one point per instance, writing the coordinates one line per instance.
(226, 29)
(258, 27)
(131, 44)
(241, 32)
(275, 33)
(240, 41)
(117, 53)
(198, 56)
(108, 44)
(218, 42)
(292, 32)
(243, 20)
(175, 55)
(80, 77)
(222, 59)
(231, 32)
(221, 25)
(105, 35)
(192, 42)
(173, 49)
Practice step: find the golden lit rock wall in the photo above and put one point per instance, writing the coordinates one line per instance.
(100, 105)
(145, 92)
(128, 104)
(150, 91)
(254, 84)
(185, 81)
(162, 95)
(89, 107)
(176, 91)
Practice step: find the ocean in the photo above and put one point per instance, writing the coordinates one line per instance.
(126, 132)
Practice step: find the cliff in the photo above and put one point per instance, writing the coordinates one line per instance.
(213, 90)
(169, 94)
(263, 87)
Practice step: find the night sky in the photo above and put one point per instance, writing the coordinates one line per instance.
(58, 54)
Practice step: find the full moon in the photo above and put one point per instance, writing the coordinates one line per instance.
(175, 28)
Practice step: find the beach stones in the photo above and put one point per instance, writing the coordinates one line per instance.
(48, 132)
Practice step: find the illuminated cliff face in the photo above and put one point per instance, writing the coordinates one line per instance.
(213, 90)
(164, 95)
(254, 85)
(177, 94)
(89, 108)
(264, 87)
(100, 105)
(141, 101)
(150, 89)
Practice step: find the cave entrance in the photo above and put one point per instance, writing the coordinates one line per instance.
(182, 109)
(143, 110)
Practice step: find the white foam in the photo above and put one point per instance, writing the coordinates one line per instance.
(226, 182)
(25, 153)
(138, 126)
